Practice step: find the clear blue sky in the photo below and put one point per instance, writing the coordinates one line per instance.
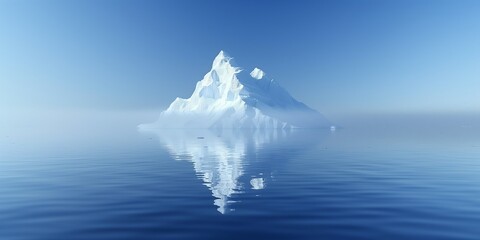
(336, 56)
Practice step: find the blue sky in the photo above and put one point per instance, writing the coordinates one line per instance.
(338, 57)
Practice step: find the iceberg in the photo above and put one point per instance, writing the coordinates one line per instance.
(224, 100)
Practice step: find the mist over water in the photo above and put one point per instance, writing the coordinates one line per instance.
(93, 175)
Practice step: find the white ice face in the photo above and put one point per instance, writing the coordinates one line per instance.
(222, 100)
(257, 73)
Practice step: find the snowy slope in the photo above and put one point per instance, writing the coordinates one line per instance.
(222, 100)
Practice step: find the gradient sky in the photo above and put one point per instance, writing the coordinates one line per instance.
(335, 56)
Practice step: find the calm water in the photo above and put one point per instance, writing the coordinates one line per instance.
(347, 184)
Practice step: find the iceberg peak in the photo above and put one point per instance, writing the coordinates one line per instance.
(220, 59)
(257, 73)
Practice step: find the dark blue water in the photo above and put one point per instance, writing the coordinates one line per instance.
(345, 184)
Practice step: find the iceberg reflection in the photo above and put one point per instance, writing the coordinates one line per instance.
(231, 162)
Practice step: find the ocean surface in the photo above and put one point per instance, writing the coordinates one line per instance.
(119, 183)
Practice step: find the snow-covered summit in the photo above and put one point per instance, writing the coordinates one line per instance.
(222, 100)
(221, 58)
